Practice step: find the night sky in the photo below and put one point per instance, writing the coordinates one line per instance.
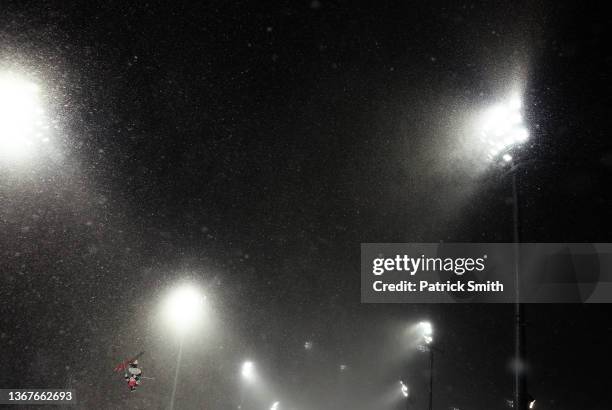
(252, 148)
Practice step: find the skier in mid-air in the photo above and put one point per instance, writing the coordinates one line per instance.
(132, 375)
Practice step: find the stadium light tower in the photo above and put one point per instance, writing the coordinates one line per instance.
(183, 309)
(426, 335)
(248, 374)
(502, 131)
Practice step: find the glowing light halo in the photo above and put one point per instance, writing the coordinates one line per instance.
(426, 331)
(24, 125)
(502, 127)
(404, 389)
(248, 370)
(183, 307)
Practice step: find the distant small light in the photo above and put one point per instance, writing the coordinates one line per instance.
(308, 345)
(426, 331)
(426, 327)
(275, 405)
(532, 404)
(343, 367)
(507, 157)
(248, 370)
(404, 389)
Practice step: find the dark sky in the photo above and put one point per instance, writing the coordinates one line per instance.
(252, 148)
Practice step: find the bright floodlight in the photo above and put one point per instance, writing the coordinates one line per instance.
(184, 307)
(426, 331)
(275, 406)
(502, 127)
(248, 370)
(404, 389)
(23, 123)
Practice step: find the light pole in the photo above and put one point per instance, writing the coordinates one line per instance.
(176, 373)
(431, 364)
(520, 382)
(502, 129)
(183, 308)
(426, 334)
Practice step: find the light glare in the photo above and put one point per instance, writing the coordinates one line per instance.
(248, 370)
(184, 307)
(502, 127)
(404, 389)
(426, 331)
(23, 123)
